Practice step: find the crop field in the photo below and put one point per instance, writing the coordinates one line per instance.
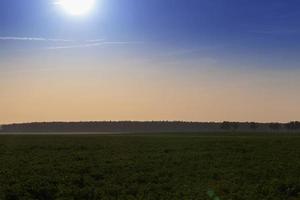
(153, 166)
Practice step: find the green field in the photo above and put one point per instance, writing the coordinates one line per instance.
(160, 166)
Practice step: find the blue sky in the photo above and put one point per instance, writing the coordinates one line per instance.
(243, 28)
(194, 40)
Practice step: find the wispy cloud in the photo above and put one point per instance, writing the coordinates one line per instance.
(35, 39)
(42, 39)
(96, 40)
(66, 43)
(87, 45)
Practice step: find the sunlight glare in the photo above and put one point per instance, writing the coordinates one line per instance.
(76, 7)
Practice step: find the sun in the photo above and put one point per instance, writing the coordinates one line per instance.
(76, 7)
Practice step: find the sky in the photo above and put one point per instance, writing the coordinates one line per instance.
(192, 60)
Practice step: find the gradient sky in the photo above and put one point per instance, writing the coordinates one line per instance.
(198, 60)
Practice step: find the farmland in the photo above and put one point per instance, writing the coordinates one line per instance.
(150, 166)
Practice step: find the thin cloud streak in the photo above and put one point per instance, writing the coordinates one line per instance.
(96, 40)
(41, 39)
(72, 43)
(87, 45)
(35, 39)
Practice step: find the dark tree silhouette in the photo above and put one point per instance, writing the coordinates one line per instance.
(229, 125)
(253, 125)
(225, 125)
(275, 126)
(293, 126)
(235, 125)
(143, 127)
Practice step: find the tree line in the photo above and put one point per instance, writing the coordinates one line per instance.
(149, 126)
(291, 126)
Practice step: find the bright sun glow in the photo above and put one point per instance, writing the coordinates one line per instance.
(76, 7)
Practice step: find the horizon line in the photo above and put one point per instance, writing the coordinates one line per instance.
(146, 121)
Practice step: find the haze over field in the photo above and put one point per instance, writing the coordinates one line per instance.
(195, 60)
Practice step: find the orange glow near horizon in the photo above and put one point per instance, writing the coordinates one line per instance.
(115, 91)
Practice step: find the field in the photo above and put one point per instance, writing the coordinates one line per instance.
(160, 166)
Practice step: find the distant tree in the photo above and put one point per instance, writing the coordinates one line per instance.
(253, 125)
(235, 125)
(229, 125)
(225, 125)
(275, 126)
(297, 125)
(293, 125)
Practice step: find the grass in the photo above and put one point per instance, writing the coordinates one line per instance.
(160, 166)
